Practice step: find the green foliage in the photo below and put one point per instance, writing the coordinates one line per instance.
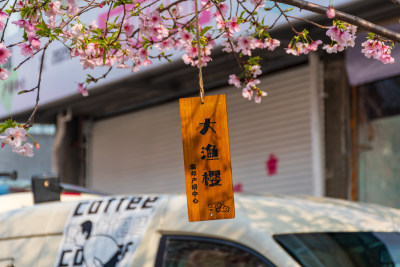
(10, 123)
(205, 30)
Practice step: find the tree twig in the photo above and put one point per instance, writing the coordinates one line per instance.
(309, 21)
(361, 23)
(29, 123)
(5, 26)
(287, 19)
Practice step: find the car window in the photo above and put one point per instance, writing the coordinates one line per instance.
(353, 249)
(206, 252)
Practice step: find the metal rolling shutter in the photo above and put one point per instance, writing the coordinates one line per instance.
(142, 152)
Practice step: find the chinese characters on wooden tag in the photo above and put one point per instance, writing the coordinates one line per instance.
(207, 158)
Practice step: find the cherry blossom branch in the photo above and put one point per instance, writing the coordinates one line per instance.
(29, 123)
(108, 17)
(28, 58)
(77, 14)
(122, 23)
(171, 5)
(95, 80)
(361, 23)
(309, 21)
(250, 13)
(287, 19)
(273, 24)
(397, 2)
(5, 26)
(230, 42)
(11, 45)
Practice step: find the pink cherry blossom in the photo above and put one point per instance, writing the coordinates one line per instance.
(30, 27)
(72, 8)
(188, 60)
(252, 83)
(302, 48)
(87, 63)
(20, 4)
(185, 36)
(4, 74)
(76, 31)
(245, 45)
(344, 37)
(333, 48)
(247, 93)
(220, 22)
(271, 44)
(83, 90)
(227, 46)
(386, 58)
(15, 135)
(147, 62)
(123, 66)
(330, 48)
(155, 19)
(255, 71)
(129, 28)
(258, 96)
(223, 8)
(233, 25)
(211, 42)
(377, 50)
(257, 43)
(94, 26)
(331, 13)
(162, 32)
(20, 23)
(258, 3)
(54, 9)
(164, 45)
(191, 50)
(314, 45)
(143, 53)
(26, 50)
(4, 54)
(234, 80)
(25, 150)
(333, 32)
(3, 15)
(35, 42)
(90, 50)
(292, 51)
(305, 48)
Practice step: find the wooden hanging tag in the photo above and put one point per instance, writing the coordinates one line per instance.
(207, 158)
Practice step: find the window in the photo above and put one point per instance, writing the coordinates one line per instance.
(181, 251)
(356, 249)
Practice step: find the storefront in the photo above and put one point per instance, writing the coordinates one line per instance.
(275, 145)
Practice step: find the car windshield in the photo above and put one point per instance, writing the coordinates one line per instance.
(357, 249)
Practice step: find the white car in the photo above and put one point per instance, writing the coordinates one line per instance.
(152, 230)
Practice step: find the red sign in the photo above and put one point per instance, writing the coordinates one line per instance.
(272, 165)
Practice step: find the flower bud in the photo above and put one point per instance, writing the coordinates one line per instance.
(331, 12)
(37, 146)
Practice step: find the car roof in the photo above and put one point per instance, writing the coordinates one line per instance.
(258, 218)
(25, 199)
(272, 214)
